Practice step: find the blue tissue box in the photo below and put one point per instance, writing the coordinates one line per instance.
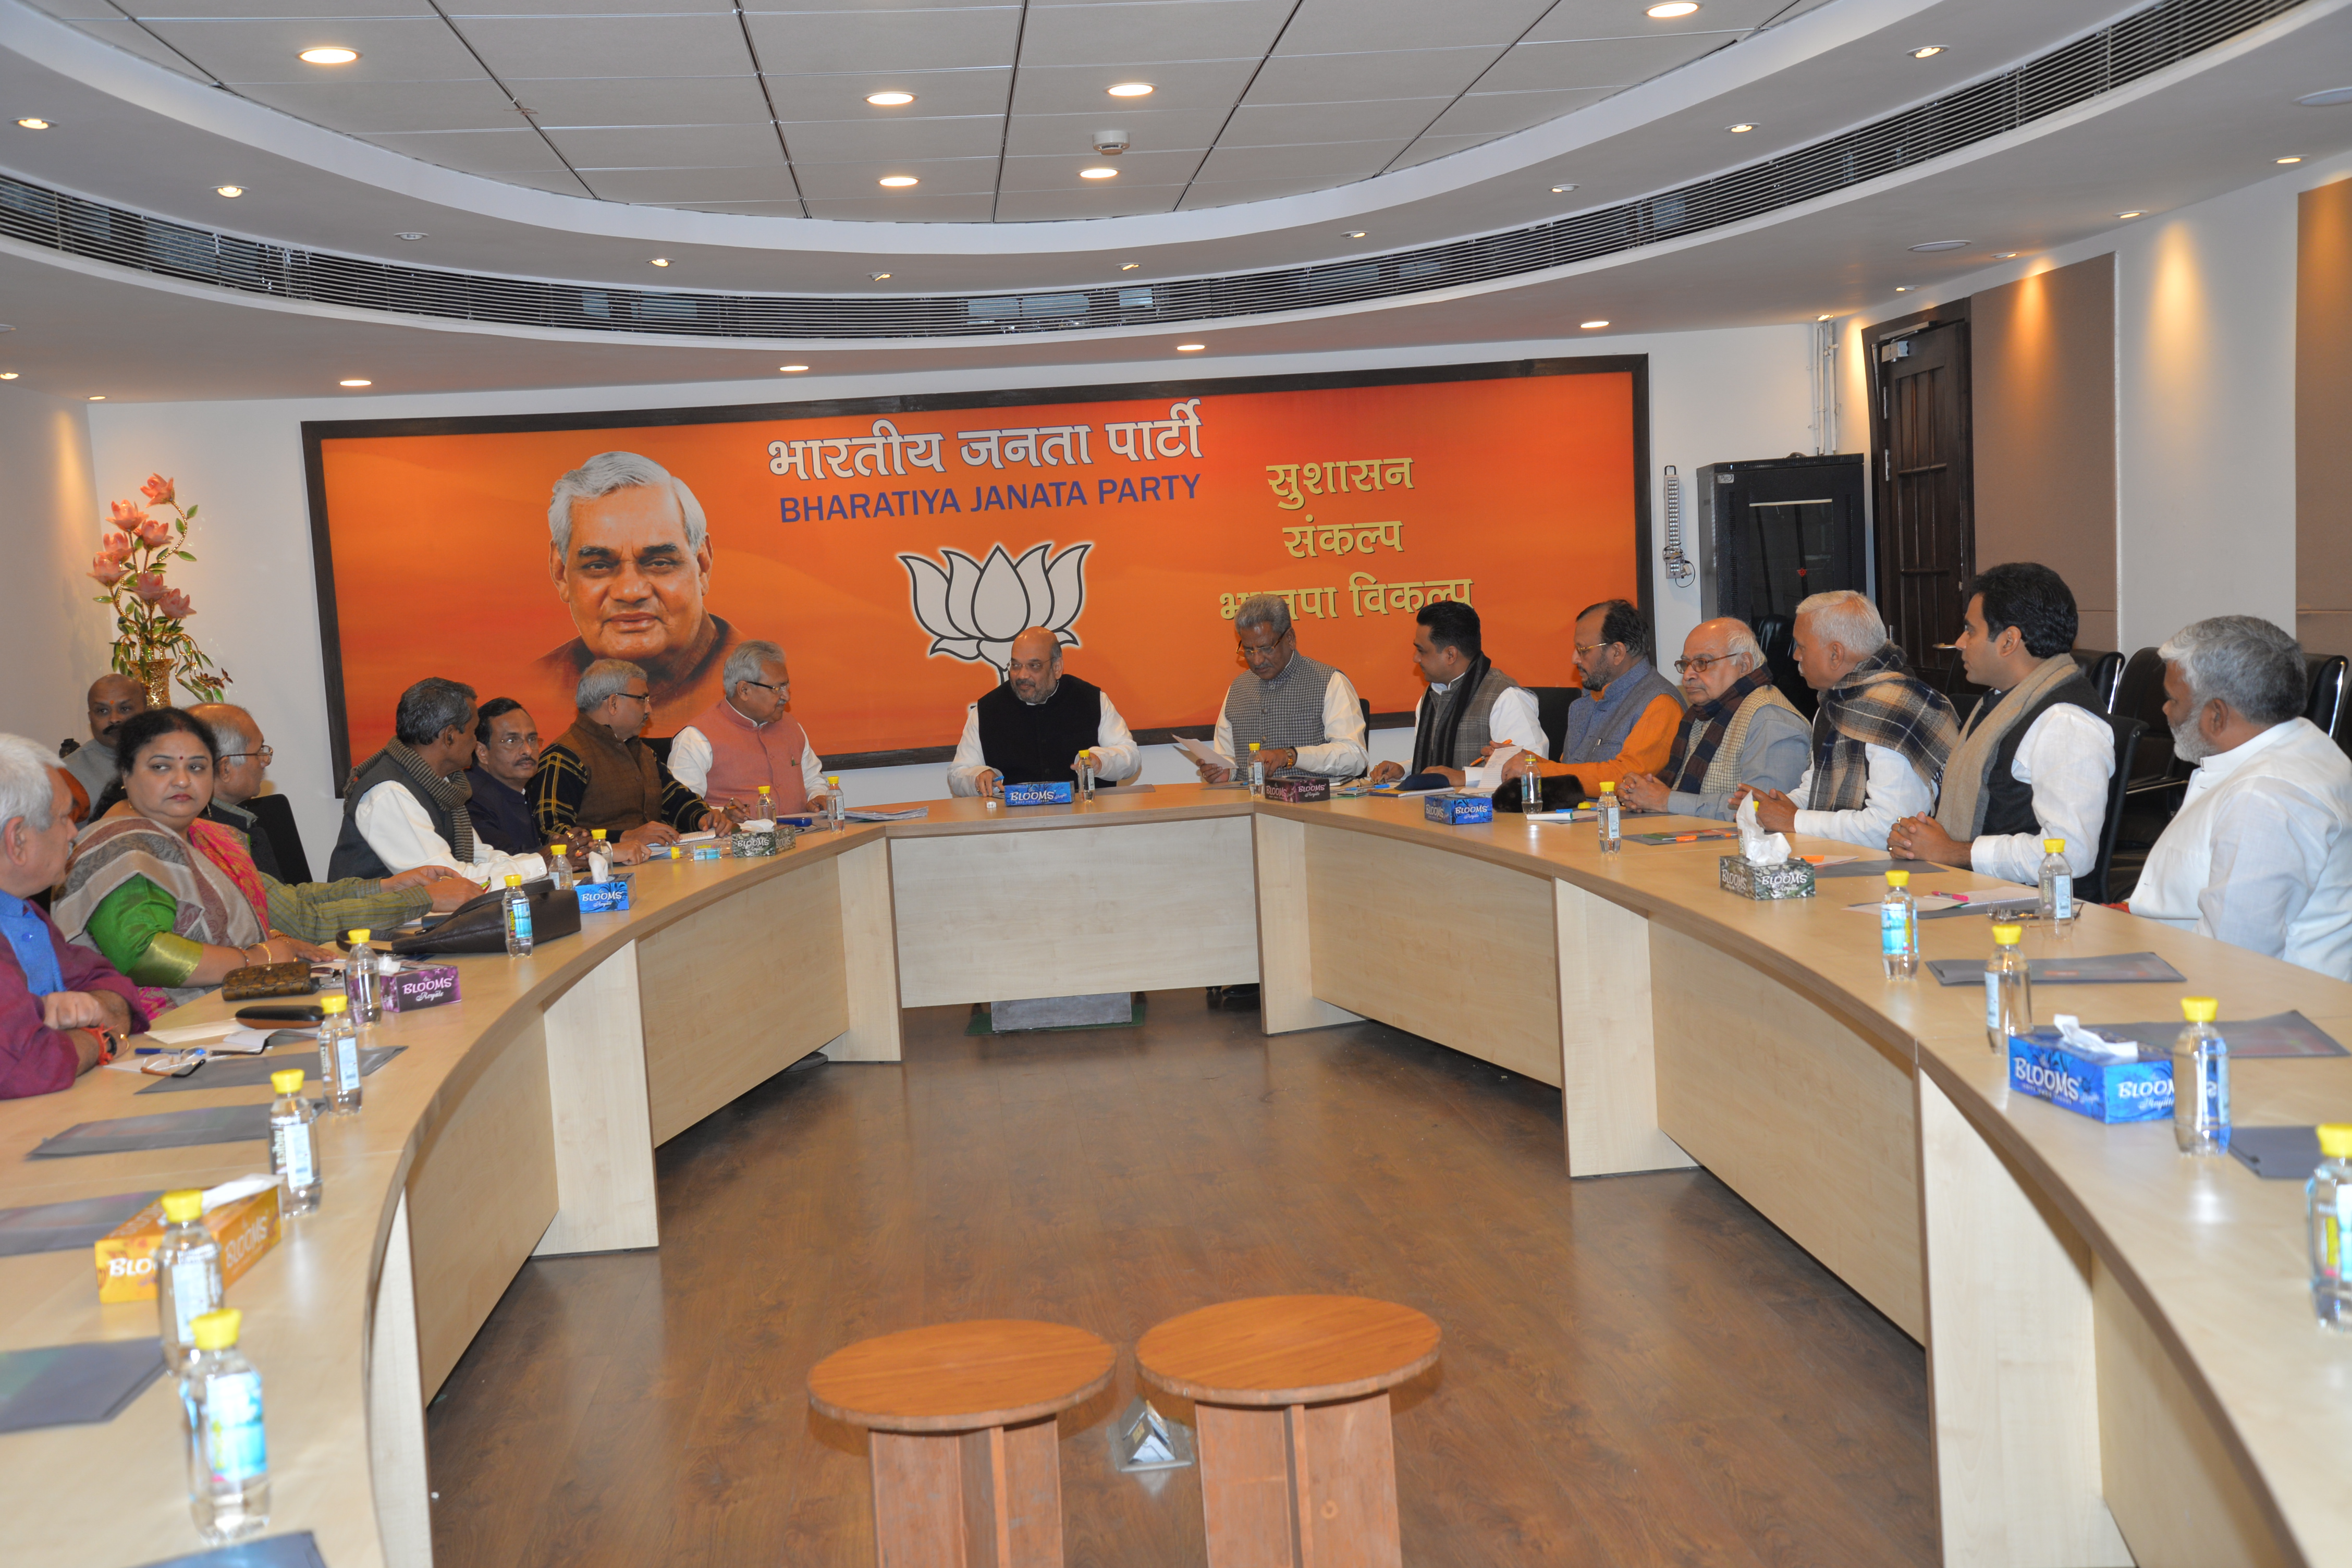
(1038, 793)
(1457, 809)
(2043, 1066)
(604, 898)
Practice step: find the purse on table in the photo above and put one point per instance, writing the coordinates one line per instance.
(291, 978)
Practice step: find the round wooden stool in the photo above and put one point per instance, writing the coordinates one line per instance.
(1290, 1397)
(960, 1421)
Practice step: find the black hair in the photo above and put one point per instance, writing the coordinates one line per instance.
(148, 725)
(1452, 623)
(1622, 624)
(496, 708)
(2032, 598)
(429, 706)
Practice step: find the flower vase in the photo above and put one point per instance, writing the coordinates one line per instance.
(155, 675)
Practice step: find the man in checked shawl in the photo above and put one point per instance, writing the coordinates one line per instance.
(1880, 740)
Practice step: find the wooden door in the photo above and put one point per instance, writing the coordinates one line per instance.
(1925, 534)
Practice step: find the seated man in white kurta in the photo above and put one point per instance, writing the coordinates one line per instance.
(2261, 852)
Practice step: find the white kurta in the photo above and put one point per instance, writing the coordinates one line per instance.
(1894, 791)
(396, 828)
(2261, 853)
(2067, 756)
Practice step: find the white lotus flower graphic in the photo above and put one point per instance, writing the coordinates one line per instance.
(974, 609)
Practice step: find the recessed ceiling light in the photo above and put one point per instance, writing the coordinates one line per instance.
(1667, 10)
(1561, 190)
(898, 182)
(1928, 51)
(1589, 326)
(1825, 318)
(1131, 90)
(889, 100)
(7, 375)
(1099, 172)
(1941, 245)
(2132, 214)
(2294, 160)
(355, 381)
(1128, 265)
(1742, 129)
(331, 55)
(1190, 348)
(792, 369)
(411, 234)
(1903, 287)
(2007, 255)
(661, 261)
(1353, 234)
(231, 192)
(2328, 99)
(34, 123)
(98, 397)
(877, 277)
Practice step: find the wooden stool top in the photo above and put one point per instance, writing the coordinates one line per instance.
(961, 1377)
(1288, 1350)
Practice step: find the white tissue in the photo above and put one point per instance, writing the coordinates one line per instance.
(1760, 848)
(2083, 1043)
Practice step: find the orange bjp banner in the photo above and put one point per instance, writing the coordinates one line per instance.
(894, 547)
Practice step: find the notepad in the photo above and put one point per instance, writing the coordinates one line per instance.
(2280, 1034)
(67, 1227)
(2100, 969)
(299, 1550)
(254, 1072)
(74, 1385)
(166, 1130)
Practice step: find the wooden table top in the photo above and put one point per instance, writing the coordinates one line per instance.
(961, 1377)
(1288, 1350)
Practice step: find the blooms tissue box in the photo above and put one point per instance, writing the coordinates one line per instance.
(1788, 879)
(604, 898)
(425, 985)
(1038, 793)
(755, 844)
(242, 1214)
(1449, 807)
(1296, 790)
(2043, 1065)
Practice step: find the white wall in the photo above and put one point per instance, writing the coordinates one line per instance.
(1716, 395)
(53, 641)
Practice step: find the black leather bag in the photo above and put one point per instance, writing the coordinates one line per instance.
(480, 925)
(1560, 791)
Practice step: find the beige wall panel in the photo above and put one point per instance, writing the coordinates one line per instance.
(1286, 960)
(403, 1508)
(1608, 1064)
(1458, 951)
(2323, 416)
(480, 1197)
(1142, 906)
(735, 993)
(2042, 371)
(869, 952)
(1808, 1120)
(596, 1086)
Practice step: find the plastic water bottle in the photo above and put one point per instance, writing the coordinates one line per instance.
(2201, 1081)
(1611, 838)
(600, 856)
(294, 1142)
(228, 1457)
(2008, 989)
(834, 806)
(1530, 783)
(2057, 887)
(516, 909)
(360, 979)
(767, 804)
(1898, 928)
(2328, 1198)
(188, 1281)
(1258, 773)
(558, 871)
(1085, 776)
(339, 1056)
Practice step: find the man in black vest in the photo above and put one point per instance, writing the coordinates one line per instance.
(1471, 707)
(409, 804)
(1038, 725)
(2036, 753)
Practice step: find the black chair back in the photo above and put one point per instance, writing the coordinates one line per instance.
(1551, 712)
(2105, 671)
(2324, 706)
(2128, 733)
(1776, 635)
(1366, 704)
(2140, 695)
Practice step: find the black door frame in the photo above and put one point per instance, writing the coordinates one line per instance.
(1882, 488)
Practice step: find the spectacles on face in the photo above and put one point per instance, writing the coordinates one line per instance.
(261, 755)
(644, 697)
(521, 742)
(1261, 655)
(782, 688)
(1588, 648)
(1684, 665)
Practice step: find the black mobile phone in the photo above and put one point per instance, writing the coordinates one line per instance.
(292, 1013)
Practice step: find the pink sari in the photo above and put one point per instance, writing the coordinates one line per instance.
(225, 847)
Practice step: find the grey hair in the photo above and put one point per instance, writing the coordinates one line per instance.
(427, 709)
(1848, 619)
(1263, 610)
(605, 678)
(749, 662)
(2245, 661)
(29, 786)
(1741, 645)
(603, 474)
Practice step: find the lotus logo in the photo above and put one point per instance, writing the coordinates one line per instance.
(974, 609)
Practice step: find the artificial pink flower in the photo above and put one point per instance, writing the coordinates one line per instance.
(175, 604)
(117, 545)
(158, 490)
(149, 586)
(153, 531)
(108, 570)
(126, 514)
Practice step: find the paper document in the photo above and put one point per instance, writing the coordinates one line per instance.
(192, 1034)
(886, 814)
(1203, 753)
(703, 837)
(1489, 777)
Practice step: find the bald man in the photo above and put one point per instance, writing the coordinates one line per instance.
(112, 698)
(1738, 728)
(1039, 725)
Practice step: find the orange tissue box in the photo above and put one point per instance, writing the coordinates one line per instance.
(243, 1216)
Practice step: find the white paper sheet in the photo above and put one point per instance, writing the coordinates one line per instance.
(192, 1034)
(1203, 753)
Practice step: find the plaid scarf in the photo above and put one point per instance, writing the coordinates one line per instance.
(1704, 728)
(450, 795)
(1879, 703)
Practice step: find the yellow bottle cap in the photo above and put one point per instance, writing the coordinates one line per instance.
(1609, 788)
(360, 935)
(2335, 1139)
(286, 1081)
(1253, 745)
(1898, 879)
(180, 1207)
(514, 878)
(763, 790)
(833, 781)
(217, 1331)
(333, 1004)
(2007, 935)
(2053, 846)
(2199, 1009)
(597, 834)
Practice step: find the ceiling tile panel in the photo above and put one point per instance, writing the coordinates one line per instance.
(800, 44)
(850, 140)
(131, 38)
(265, 9)
(1062, 206)
(1345, 79)
(939, 176)
(668, 146)
(1143, 32)
(80, 10)
(685, 185)
(609, 46)
(1336, 26)
(1193, 85)
(966, 208)
(363, 108)
(1331, 162)
(1627, 18)
(939, 92)
(749, 209)
(1135, 169)
(1605, 63)
(1484, 114)
(1230, 193)
(391, 49)
(493, 152)
(1279, 124)
(575, 8)
(643, 101)
(1036, 136)
(1429, 149)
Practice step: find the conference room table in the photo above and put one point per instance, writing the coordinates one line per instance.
(2122, 1357)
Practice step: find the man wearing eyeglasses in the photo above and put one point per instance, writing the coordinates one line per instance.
(505, 753)
(412, 803)
(1625, 722)
(599, 773)
(746, 739)
(1738, 730)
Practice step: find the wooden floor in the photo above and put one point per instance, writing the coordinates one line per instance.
(1637, 1370)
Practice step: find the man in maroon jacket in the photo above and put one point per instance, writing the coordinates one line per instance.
(63, 1009)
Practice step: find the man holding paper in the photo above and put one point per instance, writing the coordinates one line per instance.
(1304, 714)
(1471, 709)
(1039, 726)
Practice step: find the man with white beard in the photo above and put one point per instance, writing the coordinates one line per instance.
(2261, 853)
